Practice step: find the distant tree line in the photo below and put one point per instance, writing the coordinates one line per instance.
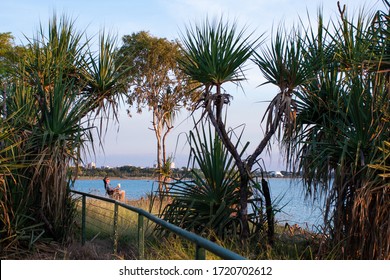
(125, 172)
(150, 172)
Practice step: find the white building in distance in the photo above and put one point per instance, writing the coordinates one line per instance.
(276, 174)
(91, 165)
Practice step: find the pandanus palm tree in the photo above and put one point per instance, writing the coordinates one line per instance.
(215, 54)
(207, 204)
(62, 86)
(342, 106)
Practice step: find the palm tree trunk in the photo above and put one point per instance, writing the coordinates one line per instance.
(269, 211)
(241, 166)
(244, 167)
(243, 214)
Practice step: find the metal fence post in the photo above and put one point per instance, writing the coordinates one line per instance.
(141, 237)
(200, 253)
(115, 231)
(83, 214)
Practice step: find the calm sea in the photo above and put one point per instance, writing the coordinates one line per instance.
(287, 195)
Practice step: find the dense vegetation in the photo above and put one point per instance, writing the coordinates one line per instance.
(149, 172)
(52, 91)
(338, 73)
(331, 114)
(127, 172)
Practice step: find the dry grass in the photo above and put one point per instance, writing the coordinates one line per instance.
(291, 242)
(98, 249)
(42, 250)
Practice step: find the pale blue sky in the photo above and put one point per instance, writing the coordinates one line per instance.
(134, 143)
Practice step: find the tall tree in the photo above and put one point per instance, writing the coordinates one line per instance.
(339, 140)
(6, 51)
(9, 56)
(6, 46)
(215, 54)
(59, 88)
(156, 82)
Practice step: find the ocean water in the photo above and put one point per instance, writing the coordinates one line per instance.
(287, 195)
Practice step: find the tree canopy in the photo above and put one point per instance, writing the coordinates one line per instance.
(155, 81)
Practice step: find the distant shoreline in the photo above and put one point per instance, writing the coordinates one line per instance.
(82, 178)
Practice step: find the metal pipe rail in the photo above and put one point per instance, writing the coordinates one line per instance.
(200, 242)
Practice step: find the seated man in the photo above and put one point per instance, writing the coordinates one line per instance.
(114, 192)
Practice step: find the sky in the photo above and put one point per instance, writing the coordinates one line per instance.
(131, 141)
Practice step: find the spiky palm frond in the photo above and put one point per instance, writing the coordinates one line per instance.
(208, 203)
(59, 84)
(285, 65)
(216, 52)
(59, 50)
(103, 76)
(342, 119)
(382, 166)
(57, 141)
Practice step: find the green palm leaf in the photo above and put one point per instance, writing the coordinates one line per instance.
(216, 52)
(208, 203)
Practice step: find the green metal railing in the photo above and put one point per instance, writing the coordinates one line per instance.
(201, 244)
